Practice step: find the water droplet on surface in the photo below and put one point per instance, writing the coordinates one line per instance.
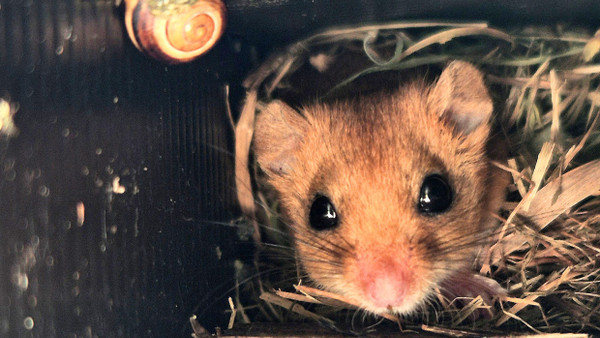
(22, 281)
(75, 291)
(76, 275)
(44, 191)
(10, 175)
(32, 301)
(28, 323)
(30, 68)
(68, 32)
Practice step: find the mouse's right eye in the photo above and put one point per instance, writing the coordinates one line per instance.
(435, 196)
(322, 214)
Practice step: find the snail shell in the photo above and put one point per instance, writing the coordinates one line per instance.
(177, 35)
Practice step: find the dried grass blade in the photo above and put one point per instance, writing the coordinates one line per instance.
(233, 314)
(450, 34)
(558, 109)
(515, 317)
(591, 69)
(468, 310)
(410, 63)
(529, 300)
(449, 332)
(244, 130)
(576, 149)
(592, 47)
(325, 294)
(518, 177)
(564, 192)
(297, 297)
(530, 83)
(294, 307)
(517, 81)
(530, 61)
(345, 31)
(310, 299)
(541, 167)
(321, 293)
(504, 247)
(555, 90)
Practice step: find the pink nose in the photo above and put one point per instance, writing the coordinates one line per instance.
(387, 282)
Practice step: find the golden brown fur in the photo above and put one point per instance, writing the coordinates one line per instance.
(369, 155)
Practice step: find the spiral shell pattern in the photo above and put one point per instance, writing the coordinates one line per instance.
(177, 35)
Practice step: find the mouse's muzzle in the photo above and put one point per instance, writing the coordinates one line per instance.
(389, 280)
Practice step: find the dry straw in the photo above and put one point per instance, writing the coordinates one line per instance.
(545, 251)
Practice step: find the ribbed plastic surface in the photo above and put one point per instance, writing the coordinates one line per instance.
(110, 193)
(137, 151)
(277, 21)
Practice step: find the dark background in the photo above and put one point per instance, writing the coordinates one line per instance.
(92, 109)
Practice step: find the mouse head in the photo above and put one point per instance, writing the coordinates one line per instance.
(385, 194)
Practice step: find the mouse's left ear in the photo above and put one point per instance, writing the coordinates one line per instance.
(278, 134)
(462, 97)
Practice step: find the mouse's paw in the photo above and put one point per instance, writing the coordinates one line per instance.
(462, 288)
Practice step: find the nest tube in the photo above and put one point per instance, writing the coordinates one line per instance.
(544, 252)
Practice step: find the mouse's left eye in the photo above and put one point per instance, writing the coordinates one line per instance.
(435, 195)
(322, 214)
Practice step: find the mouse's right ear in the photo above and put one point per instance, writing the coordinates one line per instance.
(462, 97)
(278, 134)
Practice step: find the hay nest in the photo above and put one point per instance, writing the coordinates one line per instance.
(545, 251)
